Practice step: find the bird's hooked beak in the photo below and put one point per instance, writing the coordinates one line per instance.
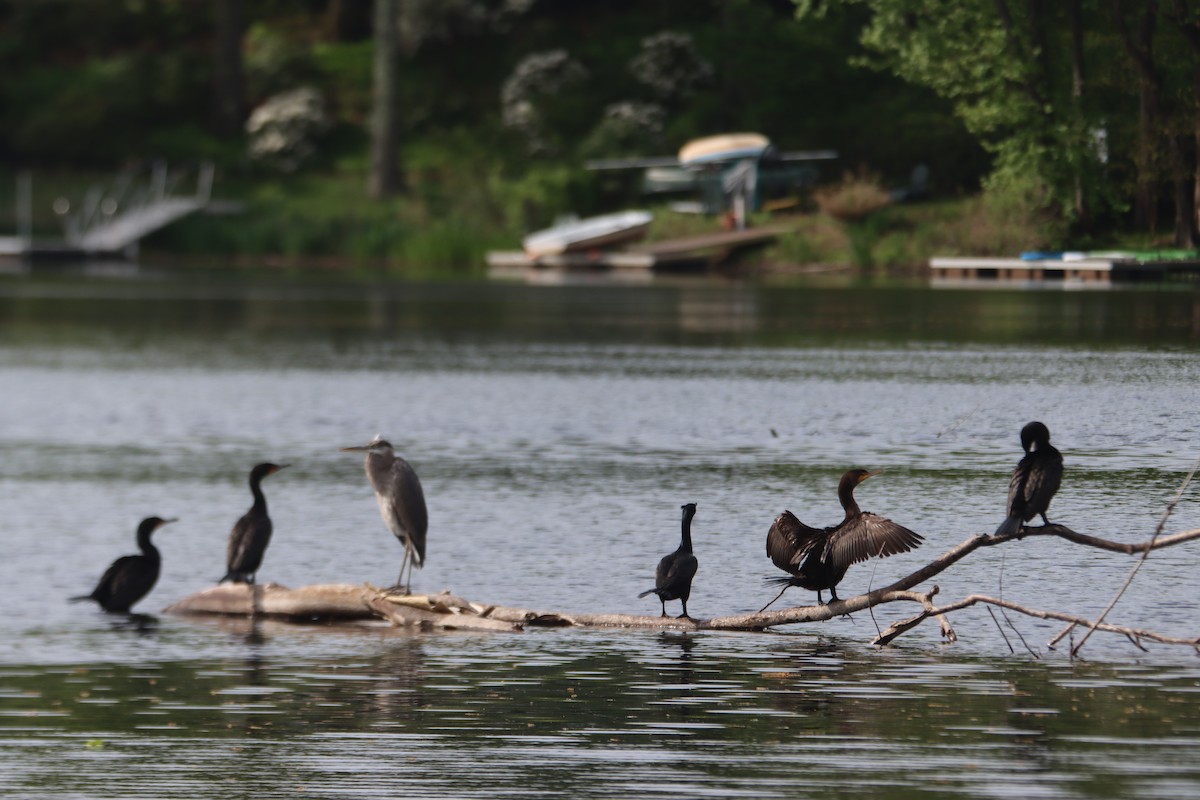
(279, 467)
(871, 475)
(167, 521)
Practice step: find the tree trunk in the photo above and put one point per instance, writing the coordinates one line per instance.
(1075, 18)
(1141, 52)
(384, 179)
(1196, 137)
(1184, 231)
(229, 107)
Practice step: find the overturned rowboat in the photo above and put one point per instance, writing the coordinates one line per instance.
(593, 233)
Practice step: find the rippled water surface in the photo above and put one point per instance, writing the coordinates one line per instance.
(557, 430)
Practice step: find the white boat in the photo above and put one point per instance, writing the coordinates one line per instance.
(592, 233)
(724, 147)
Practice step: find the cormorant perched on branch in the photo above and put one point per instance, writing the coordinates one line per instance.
(401, 501)
(1034, 481)
(252, 533)
(673, 578)
(818, 558)
(130, 578)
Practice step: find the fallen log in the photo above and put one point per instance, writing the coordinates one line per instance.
(328, 601)
(338, 602)
(447, 611)
(411, 615)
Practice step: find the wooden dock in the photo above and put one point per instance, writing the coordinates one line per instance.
(1083, 272)
(689, 253)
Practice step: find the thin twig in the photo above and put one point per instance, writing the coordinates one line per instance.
(1017, 631)
(1067, 630)
(957, 421)
(870, 588)
(1162, 522)
(1008, 619)
(1000, 628)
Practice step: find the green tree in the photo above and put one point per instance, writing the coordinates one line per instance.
(1018, 76)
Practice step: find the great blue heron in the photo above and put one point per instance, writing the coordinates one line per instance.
(130, 578)
(817, 558)
(1034, 481)
(252, 533)
(401, 501)
(673, 577)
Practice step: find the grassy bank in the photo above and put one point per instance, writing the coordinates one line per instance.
(451, 214)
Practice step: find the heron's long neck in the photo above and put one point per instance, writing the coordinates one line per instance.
(846, 495)
(377, 467)
(685, 542)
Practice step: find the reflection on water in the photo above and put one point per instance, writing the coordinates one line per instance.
(601, 715)
(155, 305)
(557, 430)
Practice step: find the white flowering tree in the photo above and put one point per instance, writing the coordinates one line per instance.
(284, 130)
(670, 66)
(627, 128)
(538, 82)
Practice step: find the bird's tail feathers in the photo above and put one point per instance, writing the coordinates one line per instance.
(648, 591)
(1010, 526)
(780, 582)
(80, 598)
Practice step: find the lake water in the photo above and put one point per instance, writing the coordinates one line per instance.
(557, 430)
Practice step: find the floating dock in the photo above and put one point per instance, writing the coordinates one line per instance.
(1082, 272)
(638, 261)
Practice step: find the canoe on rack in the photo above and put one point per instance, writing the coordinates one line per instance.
(724, 147)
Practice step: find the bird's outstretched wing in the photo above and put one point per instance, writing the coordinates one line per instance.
(869, 536)
(789, 541)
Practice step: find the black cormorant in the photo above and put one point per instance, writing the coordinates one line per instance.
(130, 577)
(252, 533)
(401, 502)
(818, 558)
(673, 578)
(1034, 481)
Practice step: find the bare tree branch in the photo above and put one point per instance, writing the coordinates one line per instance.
(1158, 529)
(1135, 635)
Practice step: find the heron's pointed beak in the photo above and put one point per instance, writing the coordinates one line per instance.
(355, 449)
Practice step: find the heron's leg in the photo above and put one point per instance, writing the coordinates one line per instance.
(408, 558)
(403, 564)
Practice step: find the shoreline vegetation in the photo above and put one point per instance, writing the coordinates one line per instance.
(414, 137)
(322, 223)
